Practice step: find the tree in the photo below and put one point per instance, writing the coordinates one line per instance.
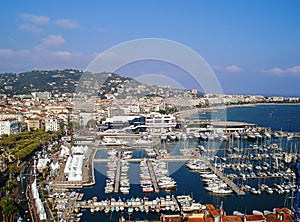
(62, 126)
(13, 169)
(9, 187)
(91, 123)
(162, 111)
(9, 210)
(74, 125)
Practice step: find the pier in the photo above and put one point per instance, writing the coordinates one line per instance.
(168, 203)
(223, 177)
(153, 178)
(165, 158)
(117, 181)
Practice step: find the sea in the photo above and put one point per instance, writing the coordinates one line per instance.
(275, 117)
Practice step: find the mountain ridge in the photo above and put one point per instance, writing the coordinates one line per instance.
(72, 80)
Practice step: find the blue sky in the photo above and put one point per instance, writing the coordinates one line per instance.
(252, 46)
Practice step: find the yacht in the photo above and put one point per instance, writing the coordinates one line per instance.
(223, 191)
(269, 190)
(254, 191)
(147, 189)
(209, 176)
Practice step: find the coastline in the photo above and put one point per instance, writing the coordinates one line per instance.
(190, 112)
(253, 104)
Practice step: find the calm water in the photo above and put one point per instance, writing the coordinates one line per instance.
(278, 117)
(285, 117)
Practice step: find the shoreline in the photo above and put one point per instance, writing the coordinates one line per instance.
(252, 104)
(195, 110)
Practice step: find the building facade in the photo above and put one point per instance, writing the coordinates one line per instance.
(51, 124)
(9, 126)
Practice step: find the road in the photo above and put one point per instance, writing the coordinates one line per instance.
(25, 179)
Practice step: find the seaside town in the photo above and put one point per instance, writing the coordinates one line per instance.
(50, 142)
(150, 111)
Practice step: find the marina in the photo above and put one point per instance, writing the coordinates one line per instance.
(215, 168)
(230, 170)
(250, 164)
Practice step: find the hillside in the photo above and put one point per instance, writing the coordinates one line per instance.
(38, 81)
(69, 81)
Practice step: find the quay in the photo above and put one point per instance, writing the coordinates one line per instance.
(153, 178)
(117, 180)
(88, 178)
(165, 158)
(127, 146)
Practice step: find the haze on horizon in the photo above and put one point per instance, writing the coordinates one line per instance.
(252, 46)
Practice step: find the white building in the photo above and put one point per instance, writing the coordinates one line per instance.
(9, 126)
(51, 124)
(158, 123)
(41, 95)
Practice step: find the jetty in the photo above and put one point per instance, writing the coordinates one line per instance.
(223, 177)
(165, 158)
(153, 178)
(117, 180)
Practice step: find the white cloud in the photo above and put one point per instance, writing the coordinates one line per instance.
(53, 40)
(30, 27)
(295, 70)
(62, 54)
(231, 68)
(7, 53)
(37, 19)
(273, 71)
(12, 60)
(66, 23)
(41, 58)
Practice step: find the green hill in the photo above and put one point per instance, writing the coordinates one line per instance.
(38, 81)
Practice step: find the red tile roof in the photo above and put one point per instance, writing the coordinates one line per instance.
(214, 213)
(255, 218)
(194, 219)
(171, 218)
(209, 219)
(210, 207)
(232, 219)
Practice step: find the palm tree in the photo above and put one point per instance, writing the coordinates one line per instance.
(9, 210)
(9, 187)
